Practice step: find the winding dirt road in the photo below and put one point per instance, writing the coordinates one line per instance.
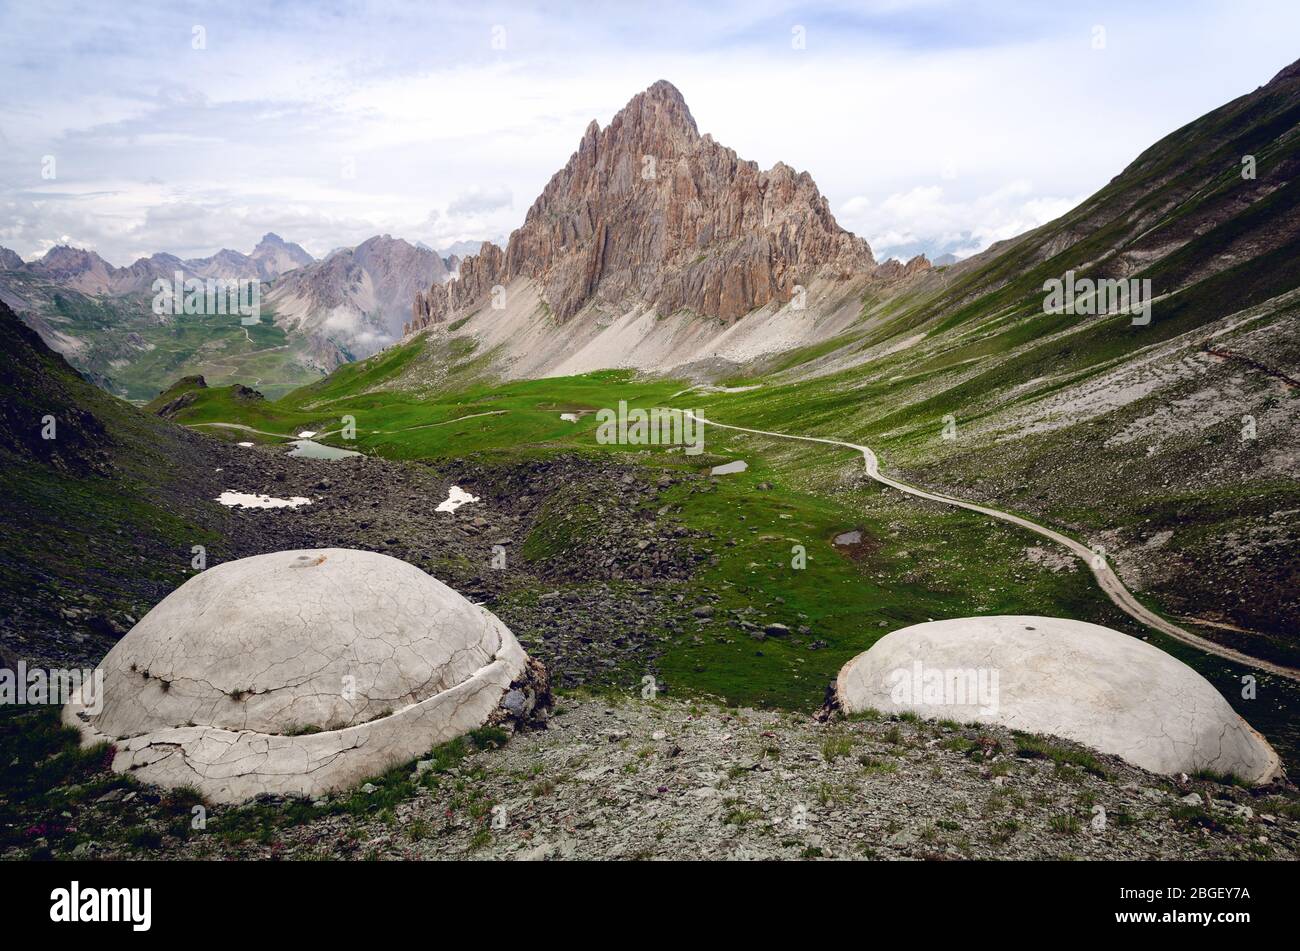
(1107, 579)
(241, 427)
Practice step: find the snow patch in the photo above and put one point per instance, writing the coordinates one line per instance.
(456, 497)
(249, 501)
(728, 468)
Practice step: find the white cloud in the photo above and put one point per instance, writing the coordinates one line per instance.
(928, 126)
(477, 200)
(925, 220)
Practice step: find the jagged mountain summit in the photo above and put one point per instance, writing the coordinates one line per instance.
(649, 210)
(275, 256)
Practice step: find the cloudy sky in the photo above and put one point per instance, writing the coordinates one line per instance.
(931, 126)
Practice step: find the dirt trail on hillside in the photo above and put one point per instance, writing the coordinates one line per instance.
(1106, 578)
(333, 432)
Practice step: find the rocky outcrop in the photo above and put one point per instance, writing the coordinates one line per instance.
(246, 393)
(478, 275)
(648, 209)
(178, 396)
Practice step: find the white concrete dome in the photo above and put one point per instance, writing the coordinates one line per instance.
(298, 672)
(1067, 678)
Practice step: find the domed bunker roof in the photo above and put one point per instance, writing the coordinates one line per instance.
(1067, 678)
(298, 672)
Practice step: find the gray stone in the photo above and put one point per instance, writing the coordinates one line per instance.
(515, 702)
(297, 673)
(1062, 677)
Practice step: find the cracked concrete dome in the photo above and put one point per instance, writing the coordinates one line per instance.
(297, 672)
(1072, 679)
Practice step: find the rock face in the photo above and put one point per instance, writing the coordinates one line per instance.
(478, 275)
(300, 672)
(1068, 678)
(649, 209)
(356, 298)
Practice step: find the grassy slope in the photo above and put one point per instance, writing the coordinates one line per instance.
(1182, 216)
(400, 424)
(137, 355)
(82, 506)
(916, 564)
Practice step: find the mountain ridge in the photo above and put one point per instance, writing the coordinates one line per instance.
(86, 270)
(316, 313)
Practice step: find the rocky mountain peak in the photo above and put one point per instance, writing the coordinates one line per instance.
(656, 117)
(273, 240)
(64, 256)
(649, 211)
(81, 269)
(274, 256)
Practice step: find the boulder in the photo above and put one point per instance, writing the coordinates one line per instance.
(1062, 677)
(298, 673)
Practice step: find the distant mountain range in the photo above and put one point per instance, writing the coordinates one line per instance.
(463, 249)
(87, 272)
(317, 314)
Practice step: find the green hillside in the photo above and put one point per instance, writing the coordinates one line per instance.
(121, 344)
